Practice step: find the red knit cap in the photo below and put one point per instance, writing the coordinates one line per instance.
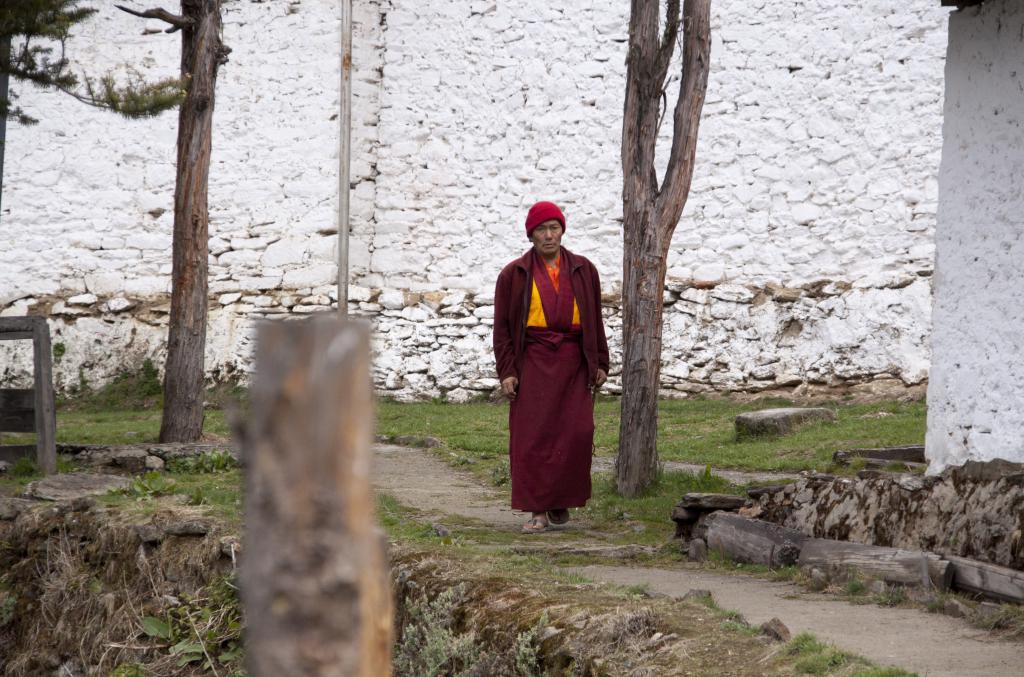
(541, 212)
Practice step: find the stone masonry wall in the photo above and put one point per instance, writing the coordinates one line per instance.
(975, 511)
(802, 262)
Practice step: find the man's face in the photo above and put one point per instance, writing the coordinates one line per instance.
(547, 237)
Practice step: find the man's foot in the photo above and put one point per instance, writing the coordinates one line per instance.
(558, 516)
(536, 525)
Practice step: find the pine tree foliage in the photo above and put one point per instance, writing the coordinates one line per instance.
(37, 32)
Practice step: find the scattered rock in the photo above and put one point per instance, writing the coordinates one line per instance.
(548, 632)
(68, 486)
(681, 514)
(82, 504)
(230, 547)
(819, 580)
(878, 587)
(441, 530)
(783, 421)
(954, 607)
(697, 551)
(699, 595)
(986, 611)
(776, 629)
(12, 507)
(417, 441)
(188, 528)
(4, 466)
(148, 533)
(708, 502)
(752, 511)
(154, 463)
(758, 492)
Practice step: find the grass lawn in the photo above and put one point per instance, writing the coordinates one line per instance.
(695, 431)
(475, 438)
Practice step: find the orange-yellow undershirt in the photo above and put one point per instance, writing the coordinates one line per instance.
(536, 317)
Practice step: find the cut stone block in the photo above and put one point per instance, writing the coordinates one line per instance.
(69, 486)
(780, 421)
(706, 502)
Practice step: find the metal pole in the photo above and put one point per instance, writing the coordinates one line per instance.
(344, 152)
(5, 64)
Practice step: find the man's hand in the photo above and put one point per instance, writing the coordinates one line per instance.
(600, 378)
(508, 388)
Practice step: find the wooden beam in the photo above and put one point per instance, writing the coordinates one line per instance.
(752, 541)
(838, 559)
(45, 406)
(987, 579)
(911, 453)
(25, 323)
(315, 581)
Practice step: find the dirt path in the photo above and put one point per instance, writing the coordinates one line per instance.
(606, 464)
(930, 644)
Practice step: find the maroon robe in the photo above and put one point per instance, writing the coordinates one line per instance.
(551, 421)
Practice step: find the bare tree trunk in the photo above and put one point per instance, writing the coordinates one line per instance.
(314, 576)
(651, 212)
(201, 55)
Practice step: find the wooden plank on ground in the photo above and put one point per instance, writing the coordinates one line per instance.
(15, 336)
(17, 410)
(986, 579)
(752, 541)
(892, 565)
(911, 453)
(45, 407)
(315, 580)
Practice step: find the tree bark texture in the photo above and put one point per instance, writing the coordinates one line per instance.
(651, 211)
(315, 582)
(201, 55)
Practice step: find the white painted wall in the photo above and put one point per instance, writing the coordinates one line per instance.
(816, 171)
(976, 391)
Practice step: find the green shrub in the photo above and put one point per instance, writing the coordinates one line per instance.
(429, 645)
(501, 474)
(7, 603)
(150, 485)
(205, 631)
(211, 462)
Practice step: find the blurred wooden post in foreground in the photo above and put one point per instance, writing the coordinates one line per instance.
(314, 577)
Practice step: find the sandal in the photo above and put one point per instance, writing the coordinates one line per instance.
(535, 526)
(558, 516)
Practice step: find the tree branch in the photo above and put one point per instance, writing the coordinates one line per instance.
(177, 22)
(640, 109)
(686, 120)
(668, 40)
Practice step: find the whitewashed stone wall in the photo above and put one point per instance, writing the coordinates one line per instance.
(976, 394)
(802, 260)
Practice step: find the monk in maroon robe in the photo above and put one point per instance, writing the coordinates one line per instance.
(551, 355)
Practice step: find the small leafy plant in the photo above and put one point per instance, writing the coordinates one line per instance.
(150, 485)
(204, 631)
(211, 462)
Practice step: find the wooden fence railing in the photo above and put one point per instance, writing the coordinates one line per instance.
(27, 410)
